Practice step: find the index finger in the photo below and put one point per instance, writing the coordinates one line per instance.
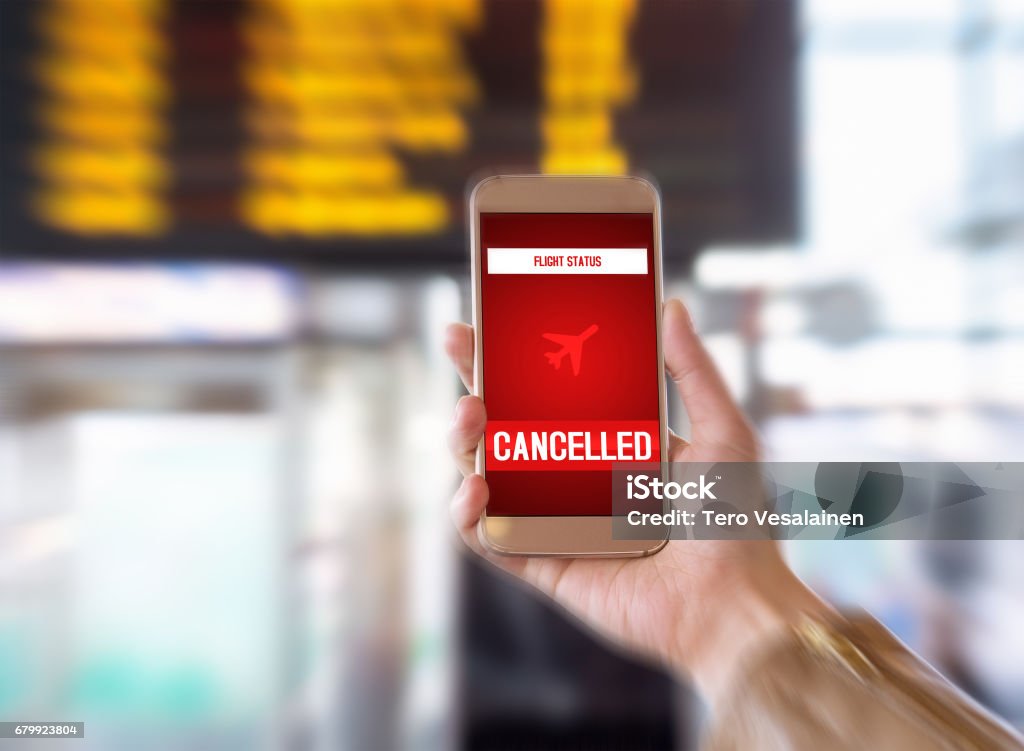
(458, 344)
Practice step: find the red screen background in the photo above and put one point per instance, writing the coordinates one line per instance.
(618, 377)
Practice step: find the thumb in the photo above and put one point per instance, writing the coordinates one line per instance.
(713, 414)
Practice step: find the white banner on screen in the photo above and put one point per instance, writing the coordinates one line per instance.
(567, 260)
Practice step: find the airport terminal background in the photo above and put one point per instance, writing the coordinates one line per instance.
(231, 234)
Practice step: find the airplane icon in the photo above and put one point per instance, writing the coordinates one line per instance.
(572, 345)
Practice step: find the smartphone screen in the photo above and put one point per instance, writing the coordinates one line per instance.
(570, 365)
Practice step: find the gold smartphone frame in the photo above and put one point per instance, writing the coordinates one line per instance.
(575, 536)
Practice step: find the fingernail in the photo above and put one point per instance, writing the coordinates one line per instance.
(458, 409)
(683, 311)
(461, 491)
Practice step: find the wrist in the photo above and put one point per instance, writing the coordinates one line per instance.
(745, 609)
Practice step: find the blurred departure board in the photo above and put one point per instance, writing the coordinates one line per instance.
(348, 131)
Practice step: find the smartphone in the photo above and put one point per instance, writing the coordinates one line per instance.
(567, 298)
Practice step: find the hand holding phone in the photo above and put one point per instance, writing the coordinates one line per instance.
(698, 606)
